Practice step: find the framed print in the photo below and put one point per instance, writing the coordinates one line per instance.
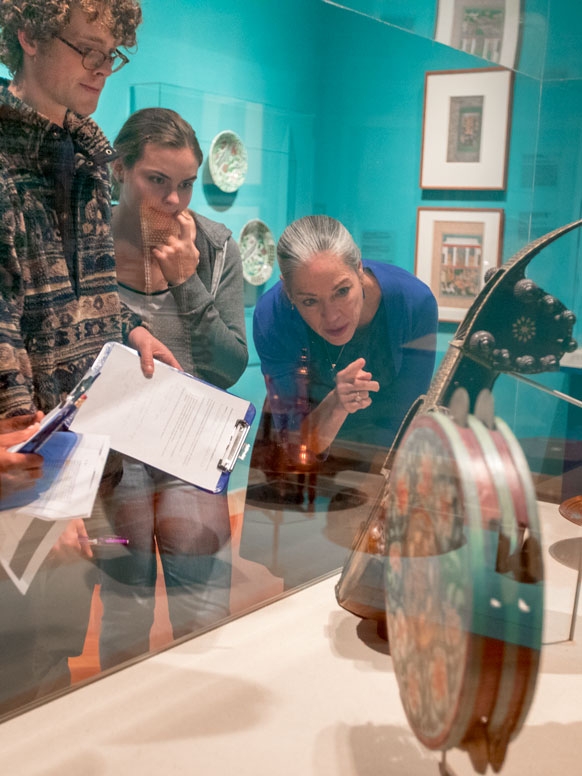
(454, 250)
(485, 28)
(465, 133)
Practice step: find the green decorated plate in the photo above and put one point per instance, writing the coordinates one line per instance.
(228, 161)
(257, 250)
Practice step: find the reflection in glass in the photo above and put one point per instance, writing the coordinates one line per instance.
(483, 28)
(59, 302)
(416, 16)
(345, 347)
(190, 530)
(345, 143)
(182, 274)
(510, 33)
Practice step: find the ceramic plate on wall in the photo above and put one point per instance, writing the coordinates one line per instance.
(228, 161)
(257, 250)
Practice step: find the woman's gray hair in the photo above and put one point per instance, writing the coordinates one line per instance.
(307, 236)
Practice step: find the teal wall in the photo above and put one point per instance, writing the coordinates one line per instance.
(368, 160)
(253, 50)
(329, 103)
(370, 129)
(236, 66)
(252, 67)
(562, 56)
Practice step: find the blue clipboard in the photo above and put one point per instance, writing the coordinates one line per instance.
(56, 447)
(58, 419)
(236, 450)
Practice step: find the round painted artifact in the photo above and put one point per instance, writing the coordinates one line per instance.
(463, 584)
(228, 161)
(257, 250)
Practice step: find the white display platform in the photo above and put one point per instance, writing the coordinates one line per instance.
(289, 690)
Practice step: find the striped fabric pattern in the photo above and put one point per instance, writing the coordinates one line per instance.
(54, 319)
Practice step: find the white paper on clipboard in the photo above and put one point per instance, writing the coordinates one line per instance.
(172, 421)
(32, 520)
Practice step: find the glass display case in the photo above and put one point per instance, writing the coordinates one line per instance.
(329, 101)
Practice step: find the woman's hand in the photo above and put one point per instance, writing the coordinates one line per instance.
(149, 348)
(353, 386)
(351, 393)
(179, 257)
(72, 542)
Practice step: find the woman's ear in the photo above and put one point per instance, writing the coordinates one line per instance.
(118, 170)
(286, 290)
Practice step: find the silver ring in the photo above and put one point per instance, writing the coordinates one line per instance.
(358, 397)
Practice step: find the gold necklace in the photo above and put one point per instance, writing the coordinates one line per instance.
(339, 355)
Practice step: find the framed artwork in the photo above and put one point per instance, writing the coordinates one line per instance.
(485, 28)
(465, 133)
(454, 250)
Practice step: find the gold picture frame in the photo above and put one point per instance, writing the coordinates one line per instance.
(454, 250)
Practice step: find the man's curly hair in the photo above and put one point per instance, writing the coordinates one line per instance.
(43, 19)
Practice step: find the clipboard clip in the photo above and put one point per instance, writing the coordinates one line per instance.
(236, 446)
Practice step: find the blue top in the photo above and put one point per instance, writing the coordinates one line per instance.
(398, 345)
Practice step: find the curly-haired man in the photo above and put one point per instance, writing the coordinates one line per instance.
(58, 291)
(43, 20)
(55, 198)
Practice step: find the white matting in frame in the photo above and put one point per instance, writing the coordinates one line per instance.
(485, 28)
(465, 134)
(454, 250)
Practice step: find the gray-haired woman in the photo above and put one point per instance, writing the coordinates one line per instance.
(346, 345)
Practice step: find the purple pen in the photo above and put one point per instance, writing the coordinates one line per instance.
(103, 540)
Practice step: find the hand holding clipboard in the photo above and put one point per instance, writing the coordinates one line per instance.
(57, 420)
(172, 421)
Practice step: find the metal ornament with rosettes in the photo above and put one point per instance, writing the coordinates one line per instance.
(484, 345)
(515, 327)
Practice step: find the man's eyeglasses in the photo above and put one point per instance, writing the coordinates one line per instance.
(93, 59)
